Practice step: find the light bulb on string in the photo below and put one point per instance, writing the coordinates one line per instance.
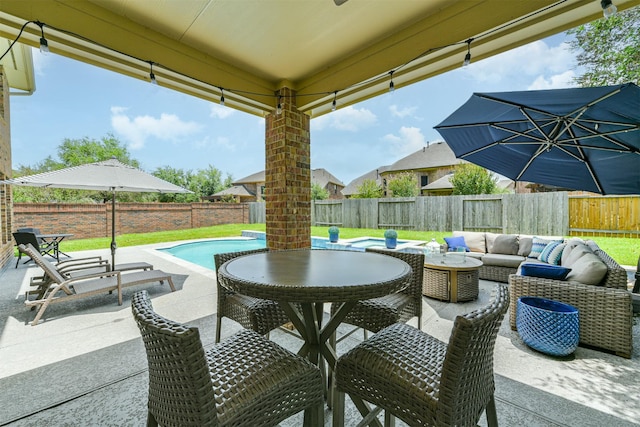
(608, 8)
(467, 57)
(44, 45)
(279, 108)
(152, 77)
(334, 104)
(392, 87)
(222, 97)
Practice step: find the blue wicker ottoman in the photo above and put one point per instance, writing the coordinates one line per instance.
(548, 326)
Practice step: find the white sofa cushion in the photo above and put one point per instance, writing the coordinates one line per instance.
(475, 240)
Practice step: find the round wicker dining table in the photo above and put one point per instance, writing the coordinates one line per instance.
(303, 280)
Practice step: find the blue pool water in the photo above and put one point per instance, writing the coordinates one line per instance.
(201, 253)
(369, 242)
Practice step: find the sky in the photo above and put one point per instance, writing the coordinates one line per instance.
(161, 127)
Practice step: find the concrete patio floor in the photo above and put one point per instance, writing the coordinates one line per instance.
(85, 365)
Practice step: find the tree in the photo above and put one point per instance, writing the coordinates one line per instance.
(75, 152)
(202, 182)
(368, 190)
(180, 178)
(318, 193)
(206, 182)
(404, 185)
(608, 49)
(473, 179)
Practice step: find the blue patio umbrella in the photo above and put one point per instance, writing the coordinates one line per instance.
(580, 138)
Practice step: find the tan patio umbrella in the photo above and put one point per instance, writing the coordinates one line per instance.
(109, 175)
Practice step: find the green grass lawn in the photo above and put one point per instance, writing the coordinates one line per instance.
(624, 250)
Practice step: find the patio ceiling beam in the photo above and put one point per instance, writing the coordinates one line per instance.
(129, 36)
(119, 34)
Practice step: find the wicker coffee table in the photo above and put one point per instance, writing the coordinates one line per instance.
(453, 277)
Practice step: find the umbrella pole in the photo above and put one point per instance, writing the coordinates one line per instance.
(113, 230)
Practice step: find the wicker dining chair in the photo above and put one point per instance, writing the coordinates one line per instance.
(245, 381)
(378, 313)
(422, 380)
(257, 314)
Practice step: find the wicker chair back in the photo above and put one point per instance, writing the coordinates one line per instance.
(256, 314)
(180, 391)
(414, 289)
(467, 383)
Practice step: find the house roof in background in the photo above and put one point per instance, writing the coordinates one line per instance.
(433, 155)
(352, 187)
(251, 179)
(323, 177)
(443, 183)
(319, 175)
(236, 190)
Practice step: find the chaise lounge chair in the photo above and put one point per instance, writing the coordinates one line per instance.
(64, 288)
(79, 267)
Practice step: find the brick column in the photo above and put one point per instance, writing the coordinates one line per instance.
(6, 211)
(288, 176)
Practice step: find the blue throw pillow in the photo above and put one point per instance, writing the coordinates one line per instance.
(546, 271)
(538, 246)
(454, 242)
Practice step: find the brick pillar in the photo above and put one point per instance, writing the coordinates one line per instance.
(6, 210)
(288, 176)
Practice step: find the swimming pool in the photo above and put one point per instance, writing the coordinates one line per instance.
(201, 253)
(372, 241)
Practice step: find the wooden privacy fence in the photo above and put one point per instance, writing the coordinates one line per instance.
(617, 216)
(540, 213)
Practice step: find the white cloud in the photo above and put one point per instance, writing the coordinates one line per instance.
(520, 66)
(557, 81)
(349, 119)
(402, 113)
(136, 130)
(221, 142)
(220, 112)
(409, 140)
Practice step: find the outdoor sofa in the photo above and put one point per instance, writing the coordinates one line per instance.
(596, 285)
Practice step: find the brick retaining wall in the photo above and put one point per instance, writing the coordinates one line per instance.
(87, 220)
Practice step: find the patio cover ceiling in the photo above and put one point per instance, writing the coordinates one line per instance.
(253, 48)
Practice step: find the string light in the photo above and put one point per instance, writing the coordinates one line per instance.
(44, 45)
(608, 8)
(279, 108)
(152, 76)
(467, 57)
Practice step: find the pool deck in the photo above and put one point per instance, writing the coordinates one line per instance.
(85, 363)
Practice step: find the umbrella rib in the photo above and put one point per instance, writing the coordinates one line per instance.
(477, 150)
(538, 152)
(585, 161)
